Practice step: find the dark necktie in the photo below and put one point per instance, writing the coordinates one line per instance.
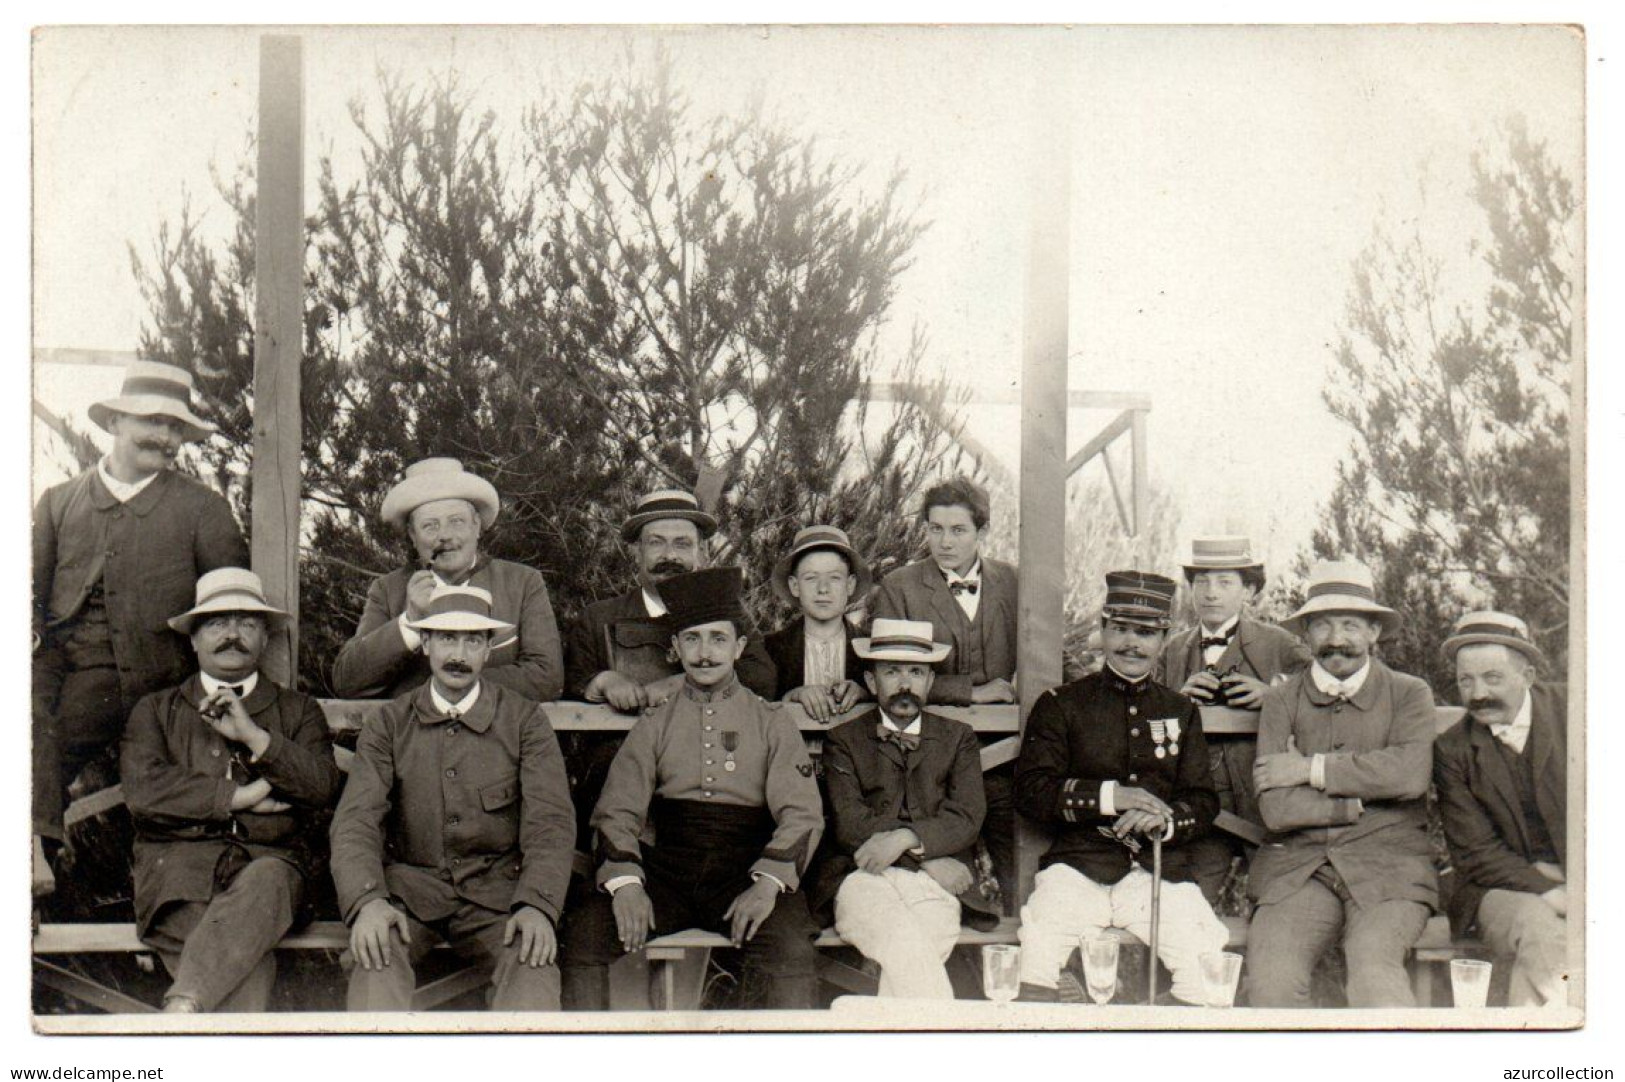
(906, 741)
(1220, 641)
(961, 587)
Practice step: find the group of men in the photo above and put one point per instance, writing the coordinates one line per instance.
(458, 821)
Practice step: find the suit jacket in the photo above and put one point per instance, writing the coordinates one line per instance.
(935, 791)
(440, 812)
(377, 663)
(148, 554)
(1099, 729)
(1263, 651)
(787, 649)
(983, 649)
(1370, 822)
(619, 634)
(173, 764)
(1484, 820)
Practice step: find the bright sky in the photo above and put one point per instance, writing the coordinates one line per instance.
(1223, 181)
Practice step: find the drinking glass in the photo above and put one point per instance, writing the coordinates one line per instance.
(1100, 966)
(1221, 973)
(1001, 971)
(1469, 982)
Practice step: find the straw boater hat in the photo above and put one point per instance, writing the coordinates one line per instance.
(459, 608)
(816, 539)
(900, 640)
(1500, 628)
(667, 503)
(228, 589)
(1221, 554)
(439, 479)
(1140, 597)
(152, 389)
(703, 597)
(1341, 586)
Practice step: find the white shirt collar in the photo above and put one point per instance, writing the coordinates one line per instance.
(1228, 626)
(973, 575)
(914, 726)
(652, 603)
(122, 492)
(1515, 733)
(445, 706)
(1331, 685)
(211, 685)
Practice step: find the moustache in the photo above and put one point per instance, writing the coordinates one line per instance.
(160, 446)
(904, 698)
(668, 567)
(705, 663)
(1131, 651)
(460, 667)
(1476, 705)
(231, 644)
(1339, 651)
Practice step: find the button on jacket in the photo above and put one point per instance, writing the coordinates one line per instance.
(678, 750)
(174, 768)
(1370, 821)
(1099, 729)
(377, 663)
(440, 811)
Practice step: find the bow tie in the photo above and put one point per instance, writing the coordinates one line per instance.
(235, 689)
(1220, 641)
(963, 586)
(905, 741)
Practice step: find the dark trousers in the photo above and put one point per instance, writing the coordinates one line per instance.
(692, 888)
(221, 952)
(77, 715)
(474, 933)
(999, 830)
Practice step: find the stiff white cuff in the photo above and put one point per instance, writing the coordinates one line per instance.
(775, 880)
(1317, 771)
(1108, 793)
(615, 883)
(409, 635)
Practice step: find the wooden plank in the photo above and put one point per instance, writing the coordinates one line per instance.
(1101, 440)
(440, 992)
(883, 391)
(668, 947)
(88, 991)
(1241, 828)
(279, 251)
(1000, 752)
(93, 804)
(107, 358)
(1139, 481)
(43, 879)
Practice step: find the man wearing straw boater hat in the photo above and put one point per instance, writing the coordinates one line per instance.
(455, 824)
(724, 780)
(1110, 764)
(443, 510)
(226, 777)
(1501, 776)
(906, 800)
(823, 575)
(1345, 750)
(1227, 658)
(117, 552)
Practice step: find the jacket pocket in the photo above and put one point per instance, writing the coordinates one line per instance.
(499, 796)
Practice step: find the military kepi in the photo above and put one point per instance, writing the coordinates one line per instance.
(1140, 597)
(703, 597)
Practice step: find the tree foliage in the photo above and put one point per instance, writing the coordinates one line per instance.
(615, 296)
(1454, 377)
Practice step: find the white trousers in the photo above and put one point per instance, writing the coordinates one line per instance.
(1067, 905)
(905, 921)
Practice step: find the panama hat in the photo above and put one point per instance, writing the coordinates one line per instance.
(1487, 626)
(816, 539)
(900, 640)
(228, 589)
(667, 503)
(458, 608)
(152, 389)
(1341, 586)
(439, 479)
(1140, 597)
(1221, 554)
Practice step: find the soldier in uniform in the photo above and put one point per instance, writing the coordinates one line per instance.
(443, 508)
(1107, 763)
(724, 780)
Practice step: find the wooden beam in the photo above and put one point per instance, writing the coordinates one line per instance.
(1119, 425)
(279, 253)
(110, 358)
(1011, 396)
(1139, 480)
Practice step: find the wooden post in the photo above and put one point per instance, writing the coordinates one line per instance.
(1139, 486)
(1041, 620)
(279, 252)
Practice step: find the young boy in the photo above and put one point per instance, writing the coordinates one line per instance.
(813, 655)
(1227, 658)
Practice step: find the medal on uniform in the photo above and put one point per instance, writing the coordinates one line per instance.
(1173, 736)
(730, 744)
(1159, 734)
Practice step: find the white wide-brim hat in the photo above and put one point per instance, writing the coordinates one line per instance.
(459, 608)
(1341, 586)
(900, 640)
(228, 589)
(439, 479)
(152, 389)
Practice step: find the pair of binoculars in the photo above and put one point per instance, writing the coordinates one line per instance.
(1220, 696)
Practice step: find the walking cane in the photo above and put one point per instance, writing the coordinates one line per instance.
(1156, 918)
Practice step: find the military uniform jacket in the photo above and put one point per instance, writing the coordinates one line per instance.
(984, 649)
(1484, 821)
(147, 553)
(1101, 729)
(377, 663)
(1370, 822)
(619, 635)
(679, 750)
(1262, 651)
(174, 765)
(440, 812)
(934, 790)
